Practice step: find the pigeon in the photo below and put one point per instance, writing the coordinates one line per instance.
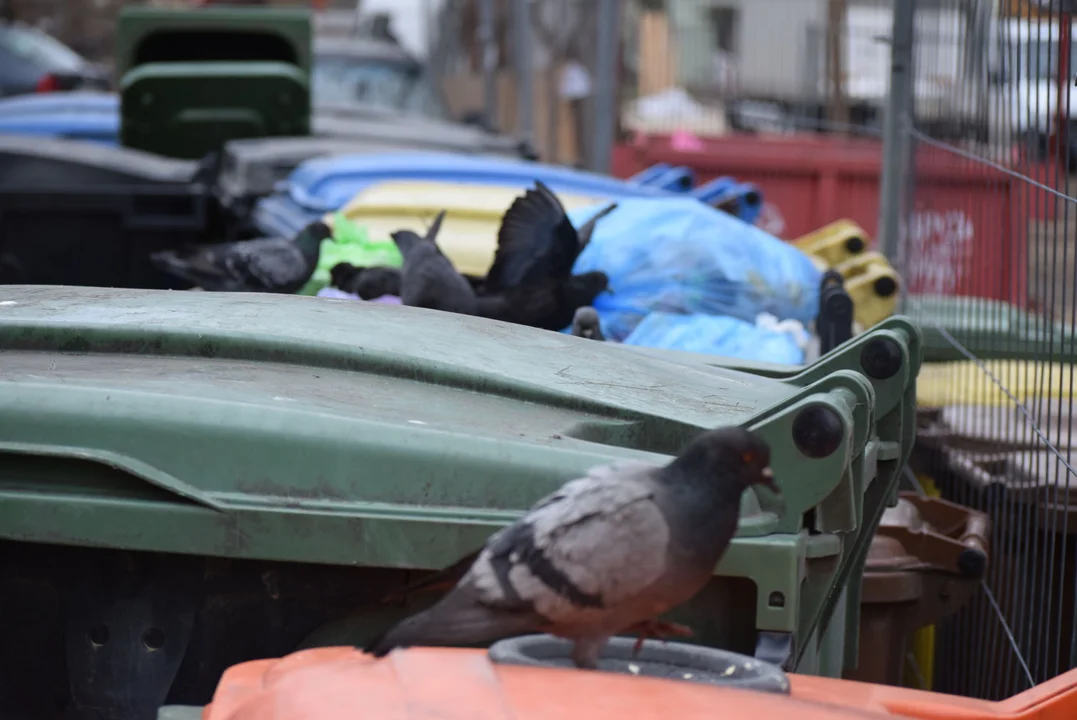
(537, 241)
(585, 324)
(275, 265)
(367, 283)
(549, 305)
(428, 278)
(606, 553)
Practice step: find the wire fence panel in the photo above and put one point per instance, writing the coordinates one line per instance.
(936, 128)
(987, 252)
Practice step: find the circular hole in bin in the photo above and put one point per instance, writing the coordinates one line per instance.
(885, 286)
(855, 244)
(776, 600)
(99, 634)
(656, 659)
(154, 638)
(818, 431)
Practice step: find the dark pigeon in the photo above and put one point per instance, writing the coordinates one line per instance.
(275, 265)
(342, 275)
(428, 278)
(606, 553)
(550, 304)
(367, 283)
(585, 324)
(537, 241)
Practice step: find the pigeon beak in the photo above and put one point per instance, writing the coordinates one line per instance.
(610, 291)
(768, 481)
(778, 504)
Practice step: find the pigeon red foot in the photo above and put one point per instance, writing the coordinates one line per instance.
(659, 630)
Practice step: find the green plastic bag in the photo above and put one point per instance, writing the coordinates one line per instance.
(351, 243)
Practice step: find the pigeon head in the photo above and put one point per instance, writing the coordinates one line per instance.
(309, 240)
(406, 241)
(584, 288)
(585, 323)
(341, 273)
(738, 458)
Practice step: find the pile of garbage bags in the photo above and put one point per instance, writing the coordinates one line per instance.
(682, 275)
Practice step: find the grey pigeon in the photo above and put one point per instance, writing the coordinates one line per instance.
(537, 241)
(585, 324)
(428, 278)
(276, 265)
(606, 553)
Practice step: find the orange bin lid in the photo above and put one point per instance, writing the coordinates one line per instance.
(456, 684)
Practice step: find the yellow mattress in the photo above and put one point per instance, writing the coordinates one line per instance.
(469, 233)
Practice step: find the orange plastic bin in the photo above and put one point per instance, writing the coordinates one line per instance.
(456, 684)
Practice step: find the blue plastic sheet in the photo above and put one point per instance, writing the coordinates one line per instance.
(94, 117)
(328, 183)
(677, 255)
(713, 335)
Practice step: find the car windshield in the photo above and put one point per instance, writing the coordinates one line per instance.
(39, 48)
(389, 85)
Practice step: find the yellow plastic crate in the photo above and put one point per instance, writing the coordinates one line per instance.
(835, 243)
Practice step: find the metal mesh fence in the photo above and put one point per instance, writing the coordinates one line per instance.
(944, 129)
(986, 247)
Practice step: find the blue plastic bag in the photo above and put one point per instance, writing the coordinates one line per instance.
(677, 255)
(714, 335)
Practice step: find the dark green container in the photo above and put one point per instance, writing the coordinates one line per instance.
(192, 80)
(233, 476)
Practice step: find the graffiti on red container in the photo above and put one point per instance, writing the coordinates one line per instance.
(770, 219)
(939, 245)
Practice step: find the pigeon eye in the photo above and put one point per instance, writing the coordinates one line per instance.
(747, 457)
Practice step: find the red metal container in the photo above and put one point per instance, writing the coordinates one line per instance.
(966, 234)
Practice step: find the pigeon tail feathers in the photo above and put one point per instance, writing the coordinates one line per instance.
(173, 263)
(435, 227)
(451, 623)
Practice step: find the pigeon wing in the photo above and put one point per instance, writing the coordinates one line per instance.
(536, 241)
(579, 552)
(202, 265)
(270, 264)
(588, 228)
(592, 546)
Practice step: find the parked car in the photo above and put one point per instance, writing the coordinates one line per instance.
(373, 81)
(33, 61)
(373, 72)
